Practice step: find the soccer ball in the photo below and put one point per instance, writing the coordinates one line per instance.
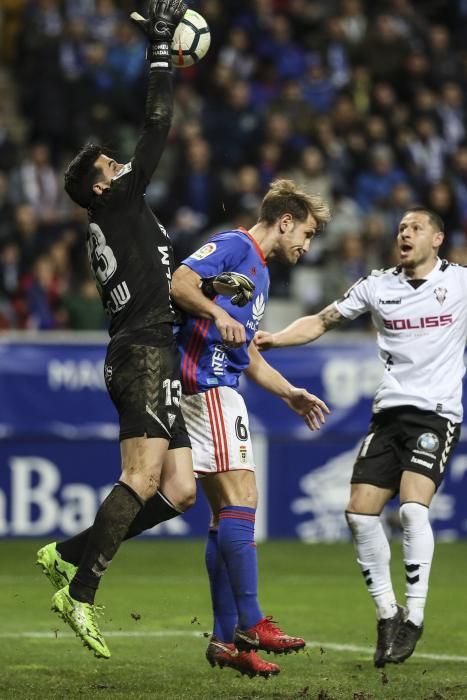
(191, 40)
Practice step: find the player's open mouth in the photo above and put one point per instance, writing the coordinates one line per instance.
(405, 248)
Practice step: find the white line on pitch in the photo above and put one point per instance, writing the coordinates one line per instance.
(181, 633)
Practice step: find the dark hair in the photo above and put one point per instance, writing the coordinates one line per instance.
(82, 174)
(435, 220)
(283, 197)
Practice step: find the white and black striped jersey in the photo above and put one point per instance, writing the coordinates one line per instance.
(421, 335)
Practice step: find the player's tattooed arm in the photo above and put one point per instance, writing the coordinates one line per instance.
(330, 317)
(303, 330)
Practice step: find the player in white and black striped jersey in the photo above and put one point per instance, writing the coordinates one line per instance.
(419, 309)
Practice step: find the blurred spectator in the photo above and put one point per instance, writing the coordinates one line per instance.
(35, 182)
(444, 64)
(232, 126)
(28, 234)
(196, 186)
(441, 199)
(347, 264)
(364, 102)
(278, 45)
(41, 289)
(354, 21)
(6, 209)
(374, 185)
(311, 174)
(459, 179)
(246, 191)
(346, 217)
(83, 308)
(385, 48)
(292, 105)
(8, 149)
(10, 268)
(336, 53)
(104, 21)
(427, 152)
(318, 89)
(236, 54)
(452, 113)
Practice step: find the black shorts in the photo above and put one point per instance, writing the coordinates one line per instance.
(405, 439)
(144, 385)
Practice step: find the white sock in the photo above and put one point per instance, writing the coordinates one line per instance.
(374, 556)
(418, 547)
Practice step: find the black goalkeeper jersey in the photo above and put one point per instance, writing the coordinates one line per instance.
(128, 248)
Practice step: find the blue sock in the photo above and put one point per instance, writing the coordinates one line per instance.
(224, 609)
(236, 541)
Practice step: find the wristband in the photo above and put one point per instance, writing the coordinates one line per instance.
(158, 55)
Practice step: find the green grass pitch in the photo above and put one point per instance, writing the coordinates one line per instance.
(158, 611)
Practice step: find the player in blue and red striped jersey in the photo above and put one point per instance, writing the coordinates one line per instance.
(215, 344)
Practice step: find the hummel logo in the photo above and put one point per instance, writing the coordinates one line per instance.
(390, 301)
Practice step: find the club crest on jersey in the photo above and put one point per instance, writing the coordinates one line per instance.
(259, 307)
(428, 442)
(204, 251)
(440, 294)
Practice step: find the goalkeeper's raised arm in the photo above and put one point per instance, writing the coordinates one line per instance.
(159, 28)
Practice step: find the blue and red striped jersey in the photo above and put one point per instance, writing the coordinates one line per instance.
(206, 362)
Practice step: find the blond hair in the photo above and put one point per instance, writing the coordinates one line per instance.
(283, 197)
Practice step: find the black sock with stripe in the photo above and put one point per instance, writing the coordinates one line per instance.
(111, 524)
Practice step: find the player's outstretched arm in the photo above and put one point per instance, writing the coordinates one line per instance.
(159, 28)
(187, 292)
(303, 330)
(310, 407)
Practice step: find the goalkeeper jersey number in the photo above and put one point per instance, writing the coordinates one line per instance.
(206, 362)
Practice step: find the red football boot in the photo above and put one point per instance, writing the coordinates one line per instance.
(247, 663)
(266, 635)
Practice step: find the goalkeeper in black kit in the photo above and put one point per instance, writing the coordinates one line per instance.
(132, 261)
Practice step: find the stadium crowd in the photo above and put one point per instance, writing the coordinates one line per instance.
(359, 101)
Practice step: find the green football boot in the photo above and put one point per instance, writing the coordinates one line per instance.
(58, 571)
(82, 618)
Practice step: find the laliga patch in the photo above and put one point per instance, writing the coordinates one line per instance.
(243, 454)
(204, 251)
(428, 442)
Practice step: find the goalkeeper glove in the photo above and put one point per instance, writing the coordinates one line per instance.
(164, 15)
(238, 287)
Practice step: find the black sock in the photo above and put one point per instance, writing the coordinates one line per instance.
(112, 522)
(156, 510)
(72, 550)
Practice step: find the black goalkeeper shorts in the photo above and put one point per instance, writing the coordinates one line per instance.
(405, 439)
(143, 383)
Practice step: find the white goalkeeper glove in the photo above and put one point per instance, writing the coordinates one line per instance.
(238, 287)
